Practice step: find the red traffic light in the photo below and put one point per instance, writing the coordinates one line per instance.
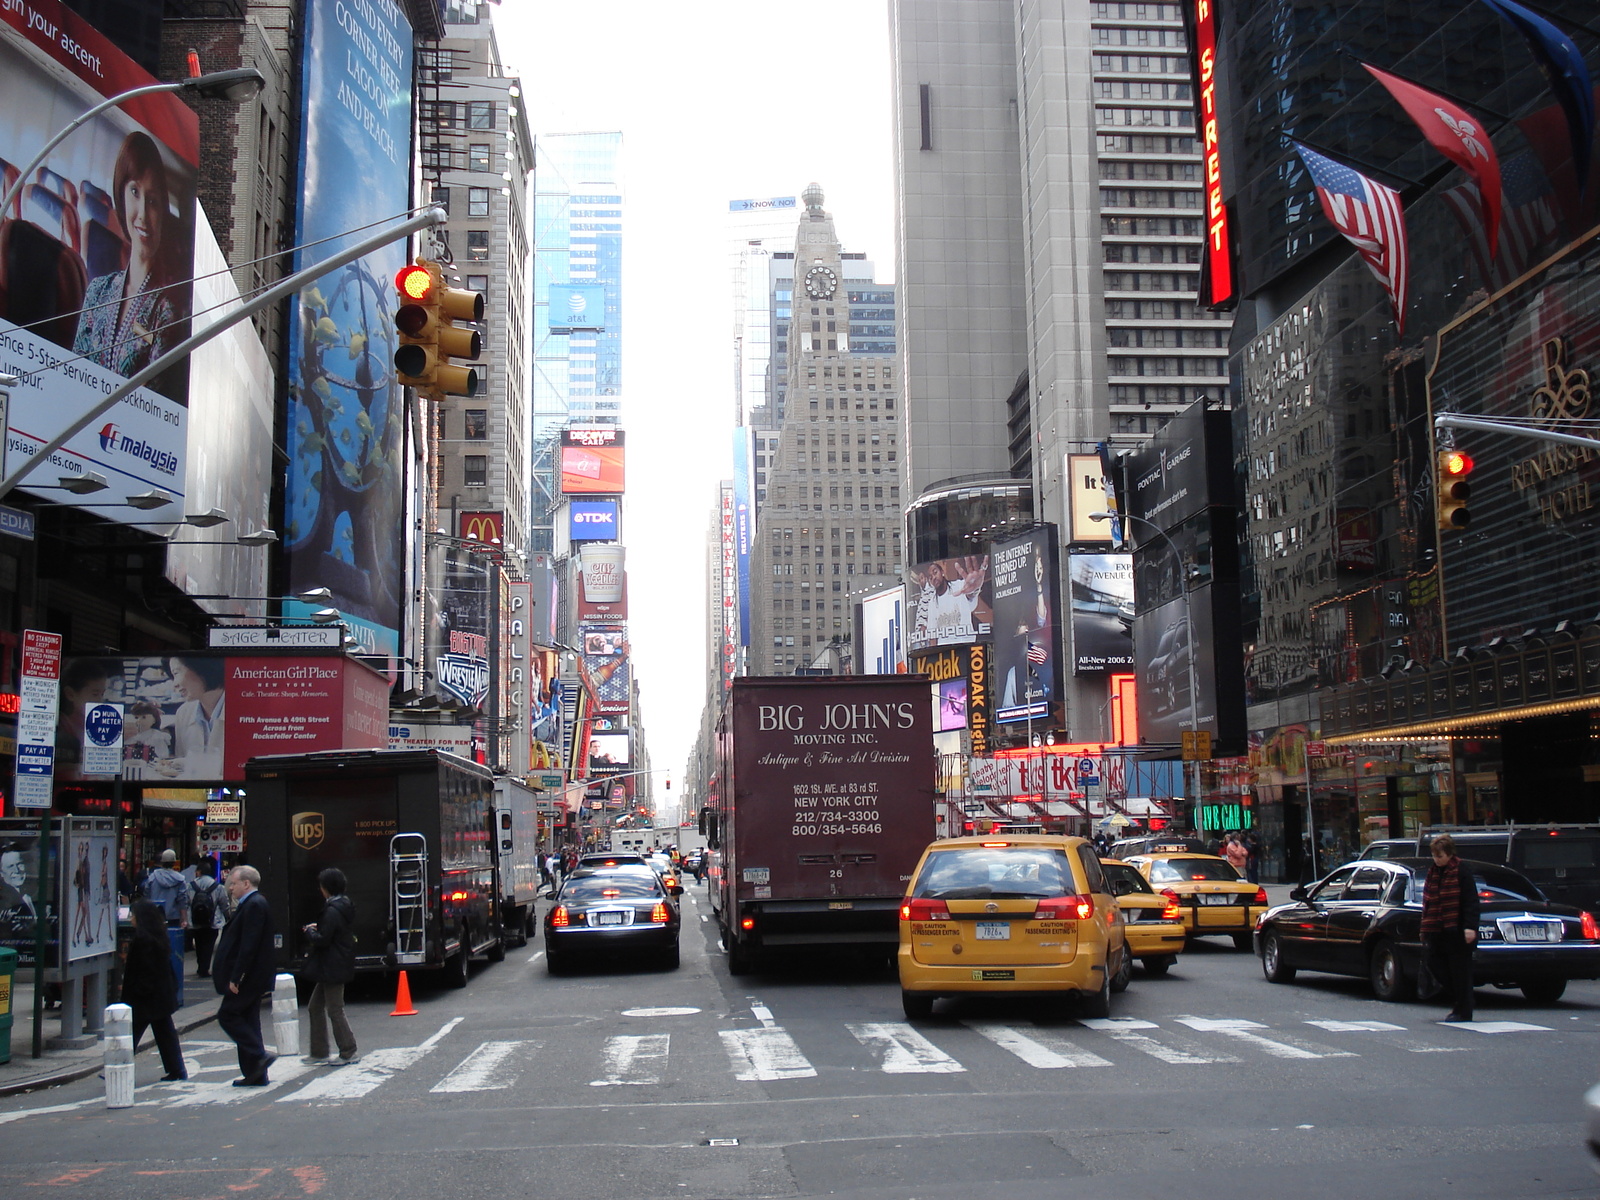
(1455, 463)
(414, 282)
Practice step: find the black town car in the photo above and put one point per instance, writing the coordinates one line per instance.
(1365, 919)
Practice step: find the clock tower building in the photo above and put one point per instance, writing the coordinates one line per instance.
(829, 531)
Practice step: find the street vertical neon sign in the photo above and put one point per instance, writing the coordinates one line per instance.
(1219, 275)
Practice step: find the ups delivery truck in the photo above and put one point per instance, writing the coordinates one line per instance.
(824, 802)
(411, 830)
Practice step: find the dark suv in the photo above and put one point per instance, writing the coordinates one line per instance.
(1564, 860)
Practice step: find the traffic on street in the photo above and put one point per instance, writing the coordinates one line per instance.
(622, 1077)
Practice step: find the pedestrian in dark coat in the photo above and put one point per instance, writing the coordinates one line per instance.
(1450, 910)
(243, 971)
(330, 965)
(149, 988)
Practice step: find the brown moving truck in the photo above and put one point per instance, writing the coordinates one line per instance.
(824, 801)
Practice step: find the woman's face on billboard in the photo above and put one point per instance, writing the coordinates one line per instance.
(143, 199)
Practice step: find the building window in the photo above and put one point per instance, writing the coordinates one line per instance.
(479, 284)
(477, 202)
(478, 157)
(480, 114)
(477, 424)
(477, 245)
(475, 468)
(440, 114)
(441, 197)
(436, 156)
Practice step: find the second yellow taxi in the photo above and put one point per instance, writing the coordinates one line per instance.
(1017, 913)
(1212, 896)
(1152, 923)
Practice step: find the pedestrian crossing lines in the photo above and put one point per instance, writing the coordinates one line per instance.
(451, 1066)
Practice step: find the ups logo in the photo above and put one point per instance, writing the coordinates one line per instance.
(306, 829)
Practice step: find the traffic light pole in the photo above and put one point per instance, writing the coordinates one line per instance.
(1451, 421)
(284, 287)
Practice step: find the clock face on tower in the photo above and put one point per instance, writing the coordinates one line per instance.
(821, 283)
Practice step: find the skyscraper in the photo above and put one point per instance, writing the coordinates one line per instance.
(830, 524)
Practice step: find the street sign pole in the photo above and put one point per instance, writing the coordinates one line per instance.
(39, 702)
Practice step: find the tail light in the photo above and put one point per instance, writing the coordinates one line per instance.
(658, 914)
(922, 909)
(747, 923)
(1171, 896)
(1591, 927)
(610, 893)
(1261, 896)
(1170, 912)
(1064, 908)
(670, 881)
(560, 918)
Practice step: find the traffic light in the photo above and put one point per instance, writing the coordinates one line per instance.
(1453, 467)
(425, 319)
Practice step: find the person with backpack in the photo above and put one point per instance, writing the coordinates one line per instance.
(330, 965)
(205, 915)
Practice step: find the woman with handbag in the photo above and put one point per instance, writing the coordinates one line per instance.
(150, 988)
(330, 965)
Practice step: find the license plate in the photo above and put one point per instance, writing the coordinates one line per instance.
(1220, 898)
(994, 931)
(1540, 932)
(611, 918)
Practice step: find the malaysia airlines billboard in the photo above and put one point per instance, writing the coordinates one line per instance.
(98, 260)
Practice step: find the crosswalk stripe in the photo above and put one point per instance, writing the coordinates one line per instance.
(1037, 1049)
(486, 1069)
(634, 1059)
(1242, 1031)
(904, 1050)
(1126, 1031)
(282, 1072)
(1358, 1026)
(764, 1053)
(355, 1081)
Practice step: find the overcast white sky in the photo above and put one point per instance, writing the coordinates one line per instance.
(717, 100)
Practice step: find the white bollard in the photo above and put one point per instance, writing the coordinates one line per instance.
(285, 1017)
(117, 1048)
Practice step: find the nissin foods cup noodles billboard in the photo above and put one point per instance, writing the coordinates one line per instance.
(345, 481)
(592, 461)
(601, 573)
(98, 258)
(593, 521)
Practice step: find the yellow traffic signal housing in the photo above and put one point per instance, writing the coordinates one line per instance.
(425, 320)
(416, 319)
(1450, 480)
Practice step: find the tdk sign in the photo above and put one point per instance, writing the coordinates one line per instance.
(113, 440)
(593, 521)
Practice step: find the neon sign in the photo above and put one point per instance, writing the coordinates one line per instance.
(1219, 275)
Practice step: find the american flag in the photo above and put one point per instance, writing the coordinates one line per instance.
(1527, 225)
(1037, 653)
(1368, 214)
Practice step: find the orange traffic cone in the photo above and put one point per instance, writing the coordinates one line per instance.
(402, 999)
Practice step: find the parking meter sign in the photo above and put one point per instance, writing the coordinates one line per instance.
(102, 739)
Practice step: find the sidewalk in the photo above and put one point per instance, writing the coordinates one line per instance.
(25, 1073)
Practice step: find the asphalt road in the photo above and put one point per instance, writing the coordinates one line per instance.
(640, 1083)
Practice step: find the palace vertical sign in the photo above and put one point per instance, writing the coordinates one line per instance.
(1219, 266)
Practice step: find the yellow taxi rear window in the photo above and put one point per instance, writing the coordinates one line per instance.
(1190, 870)
(994, 873)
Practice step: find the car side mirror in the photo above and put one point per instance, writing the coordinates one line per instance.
(1298, 893)
(676, 889)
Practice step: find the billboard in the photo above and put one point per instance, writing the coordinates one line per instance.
(606, 669)
(1087, 492)
(577, 307)
(772, 203)
(544, 697)
(593, 521)
(592, 461)
(728, 561)
(1101, 591)
(951, 710)
(420, 735)
(98, 252)
(486, 527)
(882, 640)
(344, 484)
(744, 521)
(608, 752)
(950, 601)
(1027, 599)
(970, 665)
(1183, 469)
(200, 716)
(459, 580)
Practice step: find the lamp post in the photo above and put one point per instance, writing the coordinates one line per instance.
(1188, 623)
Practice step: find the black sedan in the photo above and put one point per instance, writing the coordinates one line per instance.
(1365, 919)
(622, 910)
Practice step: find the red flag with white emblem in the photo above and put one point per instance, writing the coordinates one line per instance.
(1456, 134)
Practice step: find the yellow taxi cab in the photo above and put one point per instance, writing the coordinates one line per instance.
(1152, 923)
(1012, 914)
(1213, 897)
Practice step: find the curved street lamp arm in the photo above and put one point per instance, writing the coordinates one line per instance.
(284, 287)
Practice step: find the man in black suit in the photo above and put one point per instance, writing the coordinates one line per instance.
(243, 971)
